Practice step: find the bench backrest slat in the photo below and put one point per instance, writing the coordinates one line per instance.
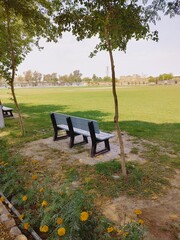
(61, 118)
(82, 123)
(77, 122)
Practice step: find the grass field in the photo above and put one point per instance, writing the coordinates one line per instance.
(150, 112)
(146, 112)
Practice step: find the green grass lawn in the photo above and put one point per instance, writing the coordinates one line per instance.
(150, 112)
(146, 112)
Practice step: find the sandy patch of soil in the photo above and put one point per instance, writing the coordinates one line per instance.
(161, 214)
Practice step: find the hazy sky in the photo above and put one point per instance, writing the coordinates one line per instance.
(142, 57)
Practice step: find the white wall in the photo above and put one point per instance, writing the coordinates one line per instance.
(1, 118)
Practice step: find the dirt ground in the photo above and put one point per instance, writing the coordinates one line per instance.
(4, 233)
(160, 214)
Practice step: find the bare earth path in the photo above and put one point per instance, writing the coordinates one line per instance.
(161, 214)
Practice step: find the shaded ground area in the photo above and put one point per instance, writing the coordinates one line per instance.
(160, 213)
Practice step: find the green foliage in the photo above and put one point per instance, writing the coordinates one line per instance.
(10, 181)
(42, 206)
(108, 19)
(13, 40)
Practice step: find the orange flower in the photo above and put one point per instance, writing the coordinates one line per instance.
(120, 232)
(44, 203)
(84, 216)
(34, 177)
(44, 228)
(41, 190)
(110, 229)
(21, 217)
(59, 221)
(34, 161)
(140, 221)
(125, 234)
(26, 225)
(24, 198)
(2, 199)
(138, 212)
(61, 231)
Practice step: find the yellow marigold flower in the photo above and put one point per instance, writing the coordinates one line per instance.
(84, 216)
(34, 161)
(2, 199)
(34, 177)
(24, 198)
(26, 225)
(140, 221)
(138, 212)
(44, 228)
(21, 217)
(59, 221)
(44, 203)
(125, 234)
(120, 232)
(41, 190)
(61, 231)
(110, 229)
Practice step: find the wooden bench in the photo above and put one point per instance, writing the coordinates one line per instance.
(75, 126)
(7, 112)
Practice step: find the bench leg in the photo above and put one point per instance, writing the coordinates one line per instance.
(71, 144)
(107, 144)
(93, 150)
(55, 136)
(11, 114)
(85, 139)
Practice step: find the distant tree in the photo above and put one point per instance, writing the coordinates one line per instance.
(96, 78)
(106, 79)
(28, 76)
(165, 76)
(19, 78)
(64, 79)
(75, 77)
(37, 76)
(87, 79)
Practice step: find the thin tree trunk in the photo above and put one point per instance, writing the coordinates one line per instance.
(11, 82)
(116, 115)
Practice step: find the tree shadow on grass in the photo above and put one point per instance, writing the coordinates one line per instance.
(162, 133)
(94, 115)
(38, 118)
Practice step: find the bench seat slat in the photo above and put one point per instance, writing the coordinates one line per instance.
(81, 132)
(103, 136)
(63, 126)
(6, 108)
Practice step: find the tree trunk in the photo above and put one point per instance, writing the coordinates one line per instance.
(11, 81)
(116, 115)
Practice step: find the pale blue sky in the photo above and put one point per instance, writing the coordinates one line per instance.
(142, 57)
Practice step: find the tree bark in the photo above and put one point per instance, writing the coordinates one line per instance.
(116, 114)
(11, 82)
